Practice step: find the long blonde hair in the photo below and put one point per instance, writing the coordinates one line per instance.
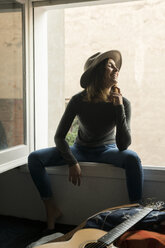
(96, 91)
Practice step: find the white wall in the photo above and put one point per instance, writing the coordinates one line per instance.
(102, 187)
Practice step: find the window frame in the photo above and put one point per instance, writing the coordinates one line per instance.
(50, 3)
(17, 155)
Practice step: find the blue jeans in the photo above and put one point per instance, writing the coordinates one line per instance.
(109, 154)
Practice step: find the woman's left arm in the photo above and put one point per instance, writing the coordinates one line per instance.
(123, 132)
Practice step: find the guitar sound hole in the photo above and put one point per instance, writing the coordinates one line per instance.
(95, 245)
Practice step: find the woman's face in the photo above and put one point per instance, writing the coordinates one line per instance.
(111, 72)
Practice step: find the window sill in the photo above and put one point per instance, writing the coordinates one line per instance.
(151, 173)
(154, 173)
(13, 164)
(13, 157)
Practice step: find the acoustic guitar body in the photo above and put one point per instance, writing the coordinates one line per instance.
(81, 239)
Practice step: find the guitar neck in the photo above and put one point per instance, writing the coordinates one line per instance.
(116, 232)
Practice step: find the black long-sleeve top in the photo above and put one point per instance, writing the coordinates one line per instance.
(99, 124)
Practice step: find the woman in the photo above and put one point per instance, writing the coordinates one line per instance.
(103, 134)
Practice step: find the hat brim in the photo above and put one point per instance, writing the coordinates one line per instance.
(113, 54)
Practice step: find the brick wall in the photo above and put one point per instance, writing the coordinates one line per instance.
(11, 118)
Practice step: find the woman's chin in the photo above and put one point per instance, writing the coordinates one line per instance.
(114, 81)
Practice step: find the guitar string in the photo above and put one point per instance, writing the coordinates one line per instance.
(96, 245)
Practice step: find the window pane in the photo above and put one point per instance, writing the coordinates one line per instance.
(137, 29)
(12, 83)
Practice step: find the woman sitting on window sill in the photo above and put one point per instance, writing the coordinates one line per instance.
(103, 134)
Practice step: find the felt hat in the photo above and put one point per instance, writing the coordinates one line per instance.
(94, 60)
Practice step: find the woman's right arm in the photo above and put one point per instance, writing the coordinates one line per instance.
(62, 130)
(62, 145)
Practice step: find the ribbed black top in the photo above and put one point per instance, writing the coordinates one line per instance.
(99, 124)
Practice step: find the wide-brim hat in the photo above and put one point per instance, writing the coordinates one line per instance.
(94, 60)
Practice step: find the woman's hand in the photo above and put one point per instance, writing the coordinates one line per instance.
(116, 96)
(75, 174)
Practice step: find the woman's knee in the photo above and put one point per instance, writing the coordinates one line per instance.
(33, 159)
(132, 159)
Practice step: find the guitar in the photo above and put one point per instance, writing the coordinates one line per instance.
(95, 238)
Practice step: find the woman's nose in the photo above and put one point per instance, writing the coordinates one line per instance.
(116, 69)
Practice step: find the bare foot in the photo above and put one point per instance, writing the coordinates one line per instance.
(57, 214)
(53, 213)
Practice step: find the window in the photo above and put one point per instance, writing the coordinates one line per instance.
(14, 138)
(136, 28)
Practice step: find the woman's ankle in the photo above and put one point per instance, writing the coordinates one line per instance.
(52, 211)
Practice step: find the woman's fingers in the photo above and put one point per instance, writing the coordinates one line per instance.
(117, 99)
(75, 174)
(76, 180)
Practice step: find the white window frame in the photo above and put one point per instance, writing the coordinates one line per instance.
(17, 155)
(41, 78)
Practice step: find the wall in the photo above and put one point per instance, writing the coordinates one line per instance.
(103, 186)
